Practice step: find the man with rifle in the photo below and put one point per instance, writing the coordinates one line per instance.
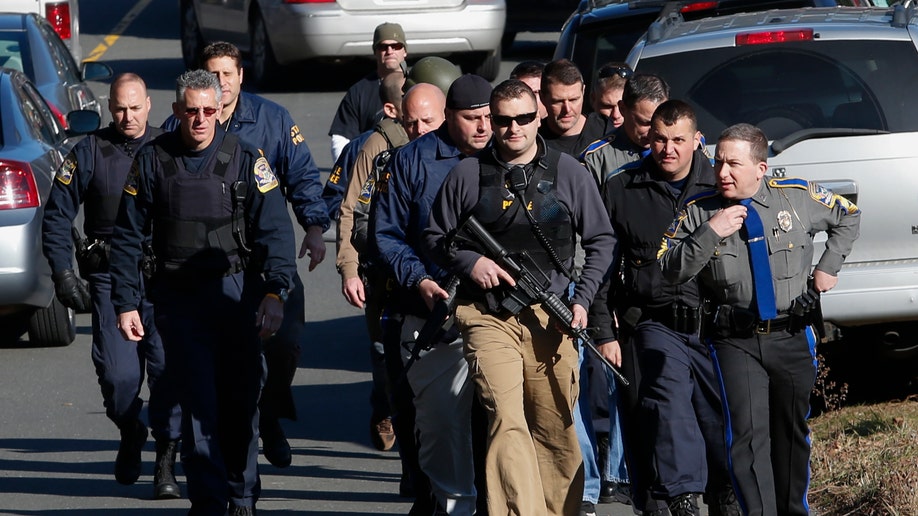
(532, 200)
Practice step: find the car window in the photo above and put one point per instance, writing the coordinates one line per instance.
(64, 64)
(40, 117)
(10, 52)
(793, 86)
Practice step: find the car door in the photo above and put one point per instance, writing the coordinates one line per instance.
(78, 92)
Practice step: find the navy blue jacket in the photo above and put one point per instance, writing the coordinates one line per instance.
(269, 126)
(402, 208)
(336, 186)
(71, 188)
(267, 221)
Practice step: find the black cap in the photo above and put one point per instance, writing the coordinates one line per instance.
(469, 92)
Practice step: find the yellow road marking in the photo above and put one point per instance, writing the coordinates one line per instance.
(109, 40)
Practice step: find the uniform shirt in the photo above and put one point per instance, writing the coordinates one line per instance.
(270, 233)
(641, 205)
(402, 209)
(612, 154)
(359, 110)
(336, 185)
(574, 188)
(347, 260)
(71, 188)
(269, 126)
(792, 212)
(594, 128)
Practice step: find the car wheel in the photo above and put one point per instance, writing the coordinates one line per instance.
(487, 67)
(192, 41)
(264, 65)
(52, 326)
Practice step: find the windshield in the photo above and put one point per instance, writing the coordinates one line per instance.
(793, 86)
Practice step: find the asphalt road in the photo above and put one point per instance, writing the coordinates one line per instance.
(57, 448)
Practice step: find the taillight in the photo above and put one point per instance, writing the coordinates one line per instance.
(62, 118)
(309, 1)
(698, 6)
(774, 36)
(17, 186)
(59, 16)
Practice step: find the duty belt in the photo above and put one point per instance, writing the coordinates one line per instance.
(676, 317)
(730, 321)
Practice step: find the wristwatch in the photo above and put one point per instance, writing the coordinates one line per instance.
(282, 295)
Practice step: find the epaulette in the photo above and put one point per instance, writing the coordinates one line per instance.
(699, 196)
(598, 144)
(789, 182)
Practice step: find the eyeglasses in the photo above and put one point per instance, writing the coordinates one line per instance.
(380, 47)
(611, 71)
(192, 112)
(521, 120)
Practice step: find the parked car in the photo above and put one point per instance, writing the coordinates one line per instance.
(32, 148)
(29, 44)
(63, 15)
(603, 31)
(275, 33)
(536, 16)
(829, 87)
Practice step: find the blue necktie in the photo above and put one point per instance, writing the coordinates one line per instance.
(761, 269)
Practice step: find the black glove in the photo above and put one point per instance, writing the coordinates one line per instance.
(71, 291)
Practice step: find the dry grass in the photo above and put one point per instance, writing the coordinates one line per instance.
(865, 460)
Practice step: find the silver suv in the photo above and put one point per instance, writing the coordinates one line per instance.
(832, 89)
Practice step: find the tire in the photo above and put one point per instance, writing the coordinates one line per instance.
(190, 36)
(264, 64)
(487, 67)
(52, 326)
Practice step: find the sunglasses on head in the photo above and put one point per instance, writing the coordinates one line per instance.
(193, 111)
(611, 71)
(505, 121)
(385, 46)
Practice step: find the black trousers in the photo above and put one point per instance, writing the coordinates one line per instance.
(767, 380)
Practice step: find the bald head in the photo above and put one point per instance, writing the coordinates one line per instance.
(423, 109)
(129, 105)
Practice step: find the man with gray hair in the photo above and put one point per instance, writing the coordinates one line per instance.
(221, 250)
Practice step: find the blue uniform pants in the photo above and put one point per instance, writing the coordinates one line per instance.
(282, 355)
(210, 336)
(120, 365)
(680, 410)
(767, 380)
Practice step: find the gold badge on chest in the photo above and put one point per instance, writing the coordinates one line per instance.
(784, 221)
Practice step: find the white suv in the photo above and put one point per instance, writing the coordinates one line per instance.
(832, 89)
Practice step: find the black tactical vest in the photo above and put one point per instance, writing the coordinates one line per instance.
(193, 220)
(501, 213)
(112, 160)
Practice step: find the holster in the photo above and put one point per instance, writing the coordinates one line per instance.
(92, 257)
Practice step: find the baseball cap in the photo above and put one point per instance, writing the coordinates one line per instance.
(389, 31)
(469, 91)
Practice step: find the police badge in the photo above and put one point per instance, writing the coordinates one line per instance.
(784, 221)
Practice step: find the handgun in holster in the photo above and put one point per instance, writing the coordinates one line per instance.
(91, 255)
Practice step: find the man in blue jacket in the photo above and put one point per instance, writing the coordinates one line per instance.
(270, 127)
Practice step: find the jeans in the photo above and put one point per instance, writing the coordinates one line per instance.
(583, 422)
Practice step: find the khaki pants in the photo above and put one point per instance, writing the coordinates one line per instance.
(527, 378)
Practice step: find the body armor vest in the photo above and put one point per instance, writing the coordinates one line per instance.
(193, 223)
(112, 162)
(501, 212)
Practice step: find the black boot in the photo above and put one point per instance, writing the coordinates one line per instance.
(127, 463)
(684, 505)
(164, 485)
(274, 443)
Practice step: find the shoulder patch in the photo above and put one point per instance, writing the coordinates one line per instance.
(132, 179)
(264, 177)
(829, 199)
(296, 136)
(65, 173)
(674, 226)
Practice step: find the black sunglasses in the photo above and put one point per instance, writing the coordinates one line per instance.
(521, 120)
(611, 71)
(386, 46)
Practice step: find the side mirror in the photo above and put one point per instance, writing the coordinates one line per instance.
(83, 121)
(95, 71)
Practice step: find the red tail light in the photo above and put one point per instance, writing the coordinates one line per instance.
(17, 186)
(775, 36)
(698, 6)
(59, 16)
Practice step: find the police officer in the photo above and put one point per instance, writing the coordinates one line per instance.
(679, 414)
(530, 72)
(608, 88)
(440, 378)
(93, 175)
(750, 244)
(224, 262)
(270, 127)
(361, 109)
(524, 369)
(566, 128)
(628, 144)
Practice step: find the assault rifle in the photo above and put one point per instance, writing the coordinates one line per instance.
(436, 325)
(530, 290)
